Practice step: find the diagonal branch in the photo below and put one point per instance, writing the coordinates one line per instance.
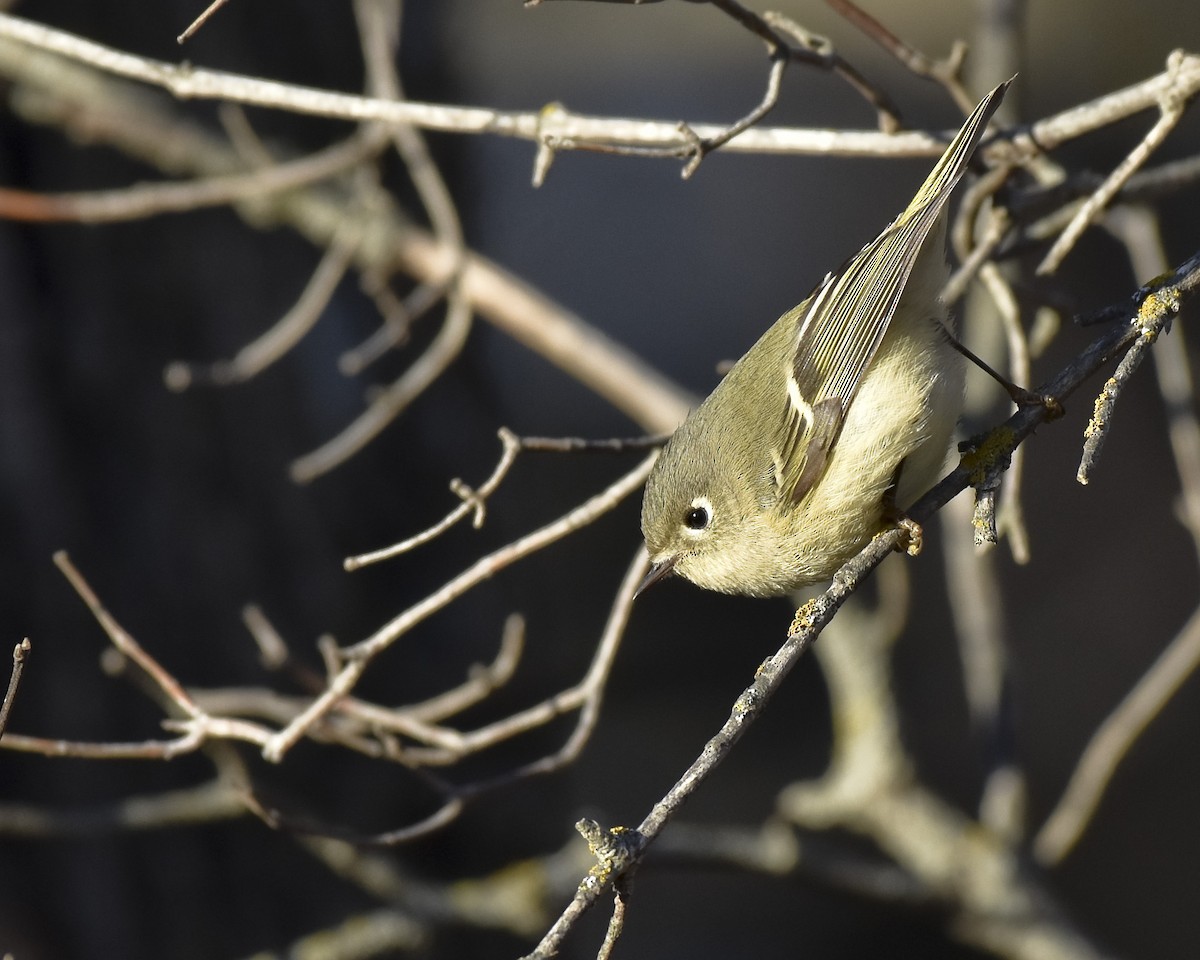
(812, 618)
(187, 82)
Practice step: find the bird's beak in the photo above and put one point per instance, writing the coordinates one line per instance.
(657, 572)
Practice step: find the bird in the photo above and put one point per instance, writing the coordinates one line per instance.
(837, 418)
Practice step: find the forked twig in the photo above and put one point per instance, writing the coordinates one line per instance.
(1172, 105)
(358, 656)
(394, 399)
(947, 72)
(472, 503)
(774, 29)
(1154, 315)
(275, 342)
(124, 641)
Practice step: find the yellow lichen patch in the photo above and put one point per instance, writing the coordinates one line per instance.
(1156, 308)
(991, 454)
(613, 849)
(1096, 423)
(803, 619)
(746, 703)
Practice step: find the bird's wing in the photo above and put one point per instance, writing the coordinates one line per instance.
(844, 321)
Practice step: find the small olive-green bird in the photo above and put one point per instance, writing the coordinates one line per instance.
(840, 414)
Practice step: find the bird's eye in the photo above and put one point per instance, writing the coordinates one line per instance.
(696, 518)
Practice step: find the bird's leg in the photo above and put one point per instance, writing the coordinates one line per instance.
(1019, 395)
(912, 536)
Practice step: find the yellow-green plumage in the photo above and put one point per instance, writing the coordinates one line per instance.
(783, 472)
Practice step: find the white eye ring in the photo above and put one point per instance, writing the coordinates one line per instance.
(699, 517)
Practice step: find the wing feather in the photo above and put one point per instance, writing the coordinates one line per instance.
(847, 318)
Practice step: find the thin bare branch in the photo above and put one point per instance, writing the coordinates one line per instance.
(472, 503)
(393, 400)
(995, 230)
(123, 641)
(200, 21)
(1181, 79)
(590, 691)
(775, 30)
(355, 719)
(582, 445)
(584, 697)
(1138, 229)
(484, 680)
(90, 750)
(1113, 740)
(188, 82)
(139, 201)
(819, 50)
(1154, 315)
(1172, 105)
(215, 801)
(446, 813)
(1056, 203)
(285, 333)
(19, 657)
(947, 72)
(273, 652)
(616, 923)
(360, 654)
(398, 317)
(379, 30)
(1011, 514)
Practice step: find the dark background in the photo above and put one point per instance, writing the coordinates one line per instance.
(179, 510)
